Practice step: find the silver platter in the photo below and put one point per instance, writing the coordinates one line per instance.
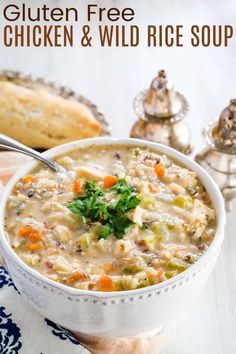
(28, 80)
(139, 109)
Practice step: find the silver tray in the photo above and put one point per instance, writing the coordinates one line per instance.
(28, 80)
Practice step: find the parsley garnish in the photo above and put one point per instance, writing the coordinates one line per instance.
(93, 207)
(122, 186)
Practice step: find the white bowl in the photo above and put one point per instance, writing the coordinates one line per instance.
(125, 313)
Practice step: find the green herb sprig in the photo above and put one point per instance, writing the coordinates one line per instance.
(93, 207)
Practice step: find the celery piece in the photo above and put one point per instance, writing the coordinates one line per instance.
(177, 264)
(171, 273)
(160, 230)
(83, 241)
(171, 226)
(150, 238)
(143, 283)
(181, 201)
(123, 284)
(147, 201)
(132, 269)
(95, 231)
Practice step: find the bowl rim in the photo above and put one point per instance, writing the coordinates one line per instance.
(205, 178)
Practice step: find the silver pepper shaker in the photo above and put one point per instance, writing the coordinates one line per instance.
(219, 157)
(161, 110)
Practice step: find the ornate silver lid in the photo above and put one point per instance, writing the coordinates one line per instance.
(161, 102)
(221, 134)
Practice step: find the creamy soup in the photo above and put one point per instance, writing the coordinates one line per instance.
(120, 218)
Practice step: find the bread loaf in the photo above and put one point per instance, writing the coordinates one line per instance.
(40, 119)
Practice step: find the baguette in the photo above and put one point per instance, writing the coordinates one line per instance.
(40, 119)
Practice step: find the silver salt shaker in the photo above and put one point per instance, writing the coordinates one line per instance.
(161, 111)
(219, 157)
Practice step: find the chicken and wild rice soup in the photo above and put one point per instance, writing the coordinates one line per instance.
(121, 218)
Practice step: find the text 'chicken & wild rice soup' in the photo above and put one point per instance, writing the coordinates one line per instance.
(121, 218)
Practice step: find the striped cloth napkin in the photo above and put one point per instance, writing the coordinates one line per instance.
(25, 331)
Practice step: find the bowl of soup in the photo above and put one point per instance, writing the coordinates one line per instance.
(117, 245)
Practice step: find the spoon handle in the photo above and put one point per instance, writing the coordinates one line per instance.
(7, 143)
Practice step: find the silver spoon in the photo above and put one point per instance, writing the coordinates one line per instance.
(7, 143)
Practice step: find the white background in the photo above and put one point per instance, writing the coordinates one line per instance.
(111, 77)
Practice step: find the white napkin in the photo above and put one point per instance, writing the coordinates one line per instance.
(25, 331)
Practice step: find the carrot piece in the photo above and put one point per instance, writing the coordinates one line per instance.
(28, 179)
(105, 283)
(109, 267)
(160, 169)
(23, 232)
(109, 181)
(31, 234)
(152, 188)
(78, 185)
(34, 247)
(76, 276)
(35, 236)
